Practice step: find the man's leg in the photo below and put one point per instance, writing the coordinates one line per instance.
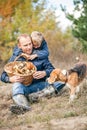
(20, 89)
(53, 88)
(34, 91)
(58, 86)
(48, 91)
(20, 94)
(19, 98)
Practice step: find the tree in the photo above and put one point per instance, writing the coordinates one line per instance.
(79, 25)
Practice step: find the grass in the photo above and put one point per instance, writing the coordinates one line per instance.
(45, 110)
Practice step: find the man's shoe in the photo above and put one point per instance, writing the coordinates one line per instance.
(46, 92)
(34, 97)
(18, 109)
(21, 100)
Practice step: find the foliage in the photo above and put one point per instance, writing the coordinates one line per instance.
(79, 24)
(21, 16)
(25, 16)
(7, 7)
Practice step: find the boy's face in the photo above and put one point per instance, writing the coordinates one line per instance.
(36, 44)
(25, 44)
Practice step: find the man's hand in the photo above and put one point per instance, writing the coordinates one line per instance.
(14, 79)
(39, 74)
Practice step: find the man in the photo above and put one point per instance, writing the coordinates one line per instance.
(19, 91)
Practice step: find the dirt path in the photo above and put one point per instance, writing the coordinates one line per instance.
(75, 123)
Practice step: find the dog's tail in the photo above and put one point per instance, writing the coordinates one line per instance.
(80, 69)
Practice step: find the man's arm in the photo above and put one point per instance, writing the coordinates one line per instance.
(4, 77)
(17, 51)
(15, 78)
(45, 72)
(48, 67)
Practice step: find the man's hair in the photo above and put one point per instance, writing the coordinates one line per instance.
(23, 36)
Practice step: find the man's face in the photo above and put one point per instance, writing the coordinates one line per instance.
(25, 44)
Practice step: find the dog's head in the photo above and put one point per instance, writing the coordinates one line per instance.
(57, 75)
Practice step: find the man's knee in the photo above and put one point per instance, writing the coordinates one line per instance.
(17, 89)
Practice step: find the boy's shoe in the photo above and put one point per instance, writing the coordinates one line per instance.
(18, 109)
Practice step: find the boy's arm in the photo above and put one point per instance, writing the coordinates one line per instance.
(43, 52)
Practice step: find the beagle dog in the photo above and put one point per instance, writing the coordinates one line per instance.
(72, 77)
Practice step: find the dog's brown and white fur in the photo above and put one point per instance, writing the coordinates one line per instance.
(72, 78)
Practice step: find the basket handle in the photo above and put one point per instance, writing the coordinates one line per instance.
(21, 55)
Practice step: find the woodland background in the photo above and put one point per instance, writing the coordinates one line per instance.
(25, 16)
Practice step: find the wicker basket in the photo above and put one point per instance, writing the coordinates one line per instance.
(28, 78)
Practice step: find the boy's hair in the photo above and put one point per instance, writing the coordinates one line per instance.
(37, 36)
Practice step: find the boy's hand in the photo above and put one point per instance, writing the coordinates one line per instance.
(29, 57)
(33, 56)
(26, 56)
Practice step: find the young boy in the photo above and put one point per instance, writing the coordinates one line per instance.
(40, 48)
